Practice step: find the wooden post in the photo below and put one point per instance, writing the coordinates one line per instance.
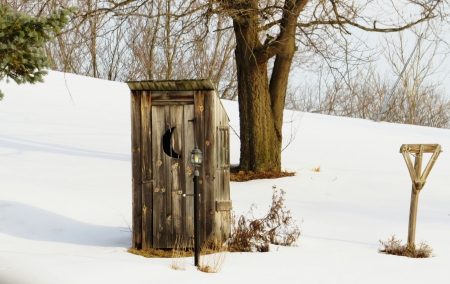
(415, 200)
(418, 179)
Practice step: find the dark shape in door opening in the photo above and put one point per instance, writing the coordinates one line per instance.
(167, 146)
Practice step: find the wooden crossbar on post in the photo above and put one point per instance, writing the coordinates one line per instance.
(418, 179)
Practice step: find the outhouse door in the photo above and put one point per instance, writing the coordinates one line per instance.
(172, 141)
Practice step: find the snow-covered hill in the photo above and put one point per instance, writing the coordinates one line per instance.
(65, 195)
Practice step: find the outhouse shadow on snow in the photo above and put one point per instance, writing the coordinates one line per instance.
(30, 222)
(23, 145)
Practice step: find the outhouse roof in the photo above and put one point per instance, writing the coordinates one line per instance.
(171, 85)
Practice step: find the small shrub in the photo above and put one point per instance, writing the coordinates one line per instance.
(277, 227)
(394, 246)
(179, 254)
(212, 256)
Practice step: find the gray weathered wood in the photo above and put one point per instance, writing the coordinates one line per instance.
(160, 211)
(147, 175)
(136, 169)
(188, 175)
(415, 199)
(429, 167)
(199, 126)
(165, 103)
(159, 177)
(223, 202)
(210, 161)
(418, 179)
(176, 120)
(171, 85)
(224, 205)
(172, 96)
(415, 148)
(412, 172)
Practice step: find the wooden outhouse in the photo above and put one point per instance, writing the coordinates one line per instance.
(168, 119)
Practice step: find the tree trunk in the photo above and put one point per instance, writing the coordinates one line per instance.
(261, 104)
(260, 144)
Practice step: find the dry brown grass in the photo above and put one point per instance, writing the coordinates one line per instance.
(239, 176)
(179, 254)
(212, 256)
(152, 253)
(394, 246)
(164, 253)
(316, 169)
(276, 227)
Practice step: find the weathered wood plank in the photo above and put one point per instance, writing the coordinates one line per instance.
(165, 103)
(224, 205)
(188, 175)
(147, 215)
(168, 237)
(225, 148)
(415, 200)
(415, 148)
(171, 85)
(172, 95)
(412, 172)
(223, 217)
(176, 186)
(147, 175)
(418, 179)
(136, 168)
(431, 163)
(210, 160)
(199, 114)
(159, 177)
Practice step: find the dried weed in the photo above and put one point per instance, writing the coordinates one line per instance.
(277, 227)
(240, 176)
(212, 256)
(152, 253)
(179, 254)
(394, 246)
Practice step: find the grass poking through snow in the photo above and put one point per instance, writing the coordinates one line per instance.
(394, 246)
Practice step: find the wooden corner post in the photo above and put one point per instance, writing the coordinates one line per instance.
(418, 179)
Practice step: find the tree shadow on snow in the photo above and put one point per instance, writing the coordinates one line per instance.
(29, 222)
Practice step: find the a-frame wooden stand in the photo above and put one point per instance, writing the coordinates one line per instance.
(418, 179)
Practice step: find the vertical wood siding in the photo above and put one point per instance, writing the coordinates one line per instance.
(161, 213)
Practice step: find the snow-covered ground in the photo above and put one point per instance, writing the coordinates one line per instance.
(65, 195)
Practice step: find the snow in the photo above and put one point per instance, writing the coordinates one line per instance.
(65, 195)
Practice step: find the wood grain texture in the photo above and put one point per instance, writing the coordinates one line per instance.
(188, 168)
(147, 175)
(159, 177)
(418, 179)
(415, 199)
(136, 169)
(160, 180)
(415, 148)
(199, 134)
(210, 160)
(176, 174)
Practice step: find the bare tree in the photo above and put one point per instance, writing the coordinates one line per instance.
(417, 89)
(278, 29)
(268, 35)
(419, 99)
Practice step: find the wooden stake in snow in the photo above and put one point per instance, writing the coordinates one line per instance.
(418, 179)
